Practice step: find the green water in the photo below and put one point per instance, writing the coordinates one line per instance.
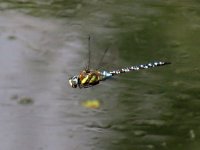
(43, 43)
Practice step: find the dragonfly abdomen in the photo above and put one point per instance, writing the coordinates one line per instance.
(139, 67)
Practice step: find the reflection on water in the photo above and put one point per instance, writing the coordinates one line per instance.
(43, 43)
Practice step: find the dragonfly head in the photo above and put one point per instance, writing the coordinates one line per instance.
(73, 81)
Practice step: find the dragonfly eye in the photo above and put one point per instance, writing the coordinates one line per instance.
(73, 81)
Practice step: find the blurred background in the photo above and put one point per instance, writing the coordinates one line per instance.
(43, 43)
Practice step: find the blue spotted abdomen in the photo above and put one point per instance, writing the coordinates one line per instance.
(139, 67)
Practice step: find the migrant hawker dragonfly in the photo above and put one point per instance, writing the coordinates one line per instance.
(89, 77)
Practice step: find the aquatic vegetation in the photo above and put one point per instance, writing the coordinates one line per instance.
(25, 100)
(95, 104)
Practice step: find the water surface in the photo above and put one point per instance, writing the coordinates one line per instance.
(43, 43)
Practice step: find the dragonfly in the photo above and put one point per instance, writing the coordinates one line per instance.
(91, 77)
